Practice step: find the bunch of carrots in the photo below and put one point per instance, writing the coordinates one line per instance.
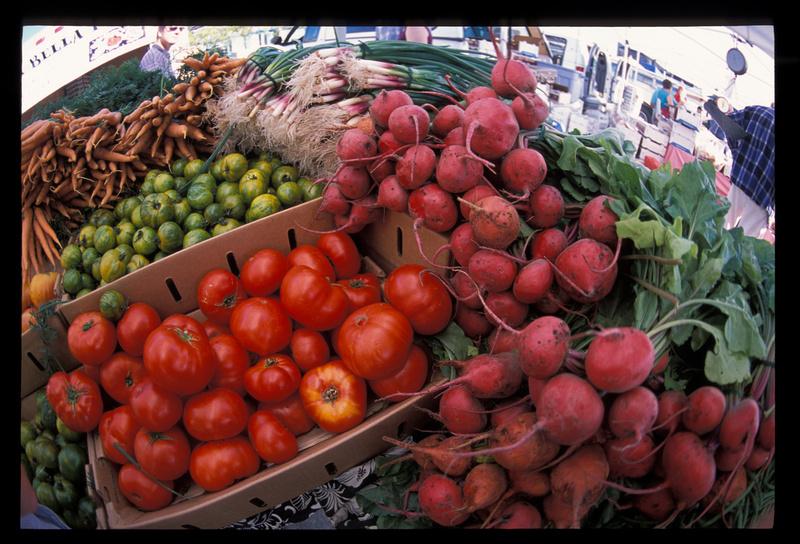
(71, 163)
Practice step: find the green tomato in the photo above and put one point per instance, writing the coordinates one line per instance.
(170, 237)
(113, 305)
(71, 462)
(251, 187)
(159, 255)
(68, 434)
(263, 166)
(90, 255)
(125, 252)
(137, 262)
(177, 166)
(199, 197)
(60, 441)
(84, 292)
(226, 188)
(234, 165)
(234, 206)
(146, 189)
(290, 194)
(157, 209)
(27, 432)
(104, 238)
(207, 181)
(124, 232)
(283, 174)
(26, 464)
(182, 185)
(46, 452)
(30, 449)
(71, 257)
(87, 513)
(216, 170)
(86, 236)
(195, 237)
(47, 496)
(136, 217)
(194, 221)
(96, 270)
(262, 206)
(312, 190)
(226, 225)
(182, 211)
(213, 213)
(152, 175)
(125, 206)
(102, 217)
(145, 241)
(112, 267)
(173, 195)
(87, 281)
(66, 493)
(70, 518)
(193, 168)
(275, 162)
(42, 474)
(71, 281)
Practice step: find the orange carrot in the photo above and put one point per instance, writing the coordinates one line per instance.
(39, 215)
(182, 130)
(193, 63)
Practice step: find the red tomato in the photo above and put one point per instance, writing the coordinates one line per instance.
(154, 407)
(410, 379)
(141, 491)
(374, 341)
(271, 439)
(118, 426)
(231, 362)
(215, 415)
(136, 323)
(421, 297)
(651, 162)
(334, 397)
(179, 360)
(340, 249)
(216, 465)
(272, 378)
(309, 349)
(76, 400)
(92, 371)
(291, 413)
(218, 293)
(314, 258)
(362, 290)
(262, 273)
(163, 455)
(261, 325)
(120, 374)
(312, 300)
(183, 321)
(214, 329)
(91, 338)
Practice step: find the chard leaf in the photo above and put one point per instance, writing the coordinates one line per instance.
(645, 234)
(671, 380)
(706, 277)
(569, 152)
(724, 367)
(454, 342)
(646, 309)
(691, 194)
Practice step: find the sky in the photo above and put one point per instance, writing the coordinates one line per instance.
(696, 54)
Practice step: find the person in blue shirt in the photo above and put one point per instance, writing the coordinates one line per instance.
(662, 98)
(752, 194)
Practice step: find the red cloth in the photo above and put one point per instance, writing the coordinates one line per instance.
(678, 157)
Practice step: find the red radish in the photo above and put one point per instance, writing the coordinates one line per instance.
(570, 409)
(737, 487)
(504, 305)
(670, 405)
(519, 515)
(380, 169)
(548, 244)
(530, 110)
(544, 346)
(512, 77)
(448, 118)
(706, 409)
(495, 222)
(387, 143)
(523, 170)
(757, 459)
(516, 448)
(479, 192)
(444, 455)
(533, 281)
(456, 171)
(766, 435)
(465, 291)
(508, 410)
(546, 207)
(579, 479)
(474, 323)
(409, 124)
(333, 201)
(441, 499)
(656, 506)
(415, 167)
(598, 222)
(354, 144)
(535, 387)
(563, 515)
(457, 136)
(492, 271)
(479, 93)
(630, 457)
(484, 484)
(392, 195)
(740, 425)
(462, 244)
(501, 340)
(354, 182)
(727, 460)
(529, 482)
(423, 459)
(363, 212)
(633, 413)
(491, 128)
(552, 302)
(434, 207)
(385, 103)
(619, 359)
(661, 364)
(461, 412)
(586, 271)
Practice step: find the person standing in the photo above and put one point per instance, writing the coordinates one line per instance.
(661, 100)
(752, 194)
(678, 99)
(421, 34)
(157, 57)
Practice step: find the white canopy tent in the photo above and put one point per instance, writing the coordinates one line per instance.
(761, 36)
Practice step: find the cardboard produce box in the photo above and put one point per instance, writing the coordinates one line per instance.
(171, 288)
